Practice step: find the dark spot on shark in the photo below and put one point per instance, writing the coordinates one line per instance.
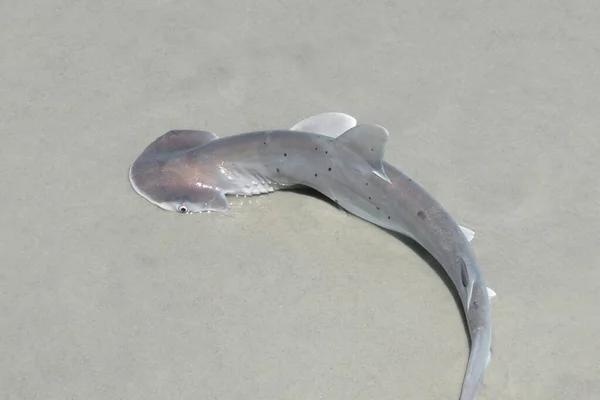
(421, 214)
(369, 197)
(265, 143)
(285, 154)
(277, 169)
(329, 169)
(316, 148)
(378, 207)
(366, 183)
(315, 175)
(389, 217)
(326, 152)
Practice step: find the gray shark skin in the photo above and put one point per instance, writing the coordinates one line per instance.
(194, 171)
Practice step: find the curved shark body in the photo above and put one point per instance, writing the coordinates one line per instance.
(194, 171)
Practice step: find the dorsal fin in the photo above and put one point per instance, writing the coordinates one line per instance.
(178, 140)
(368, 141)
(331, 124)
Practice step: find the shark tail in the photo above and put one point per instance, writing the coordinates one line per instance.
(479, 357)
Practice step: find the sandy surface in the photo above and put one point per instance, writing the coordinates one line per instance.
(492, 106)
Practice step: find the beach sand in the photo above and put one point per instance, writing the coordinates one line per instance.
(493, 107)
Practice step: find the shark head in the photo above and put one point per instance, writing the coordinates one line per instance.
(168, 175)
(176, 174)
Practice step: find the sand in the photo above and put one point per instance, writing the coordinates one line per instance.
(493, 107)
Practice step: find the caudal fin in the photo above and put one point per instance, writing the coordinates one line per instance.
(479, 358)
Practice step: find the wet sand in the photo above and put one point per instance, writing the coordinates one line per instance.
(493, 108)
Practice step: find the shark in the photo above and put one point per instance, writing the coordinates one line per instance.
(194, 171)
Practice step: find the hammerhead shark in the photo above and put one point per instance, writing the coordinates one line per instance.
(191, 171)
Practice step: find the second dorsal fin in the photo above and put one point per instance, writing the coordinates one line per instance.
(367, 141)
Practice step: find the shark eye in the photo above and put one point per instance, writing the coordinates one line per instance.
(182, 209)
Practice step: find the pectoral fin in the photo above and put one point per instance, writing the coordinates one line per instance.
(331, 124)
